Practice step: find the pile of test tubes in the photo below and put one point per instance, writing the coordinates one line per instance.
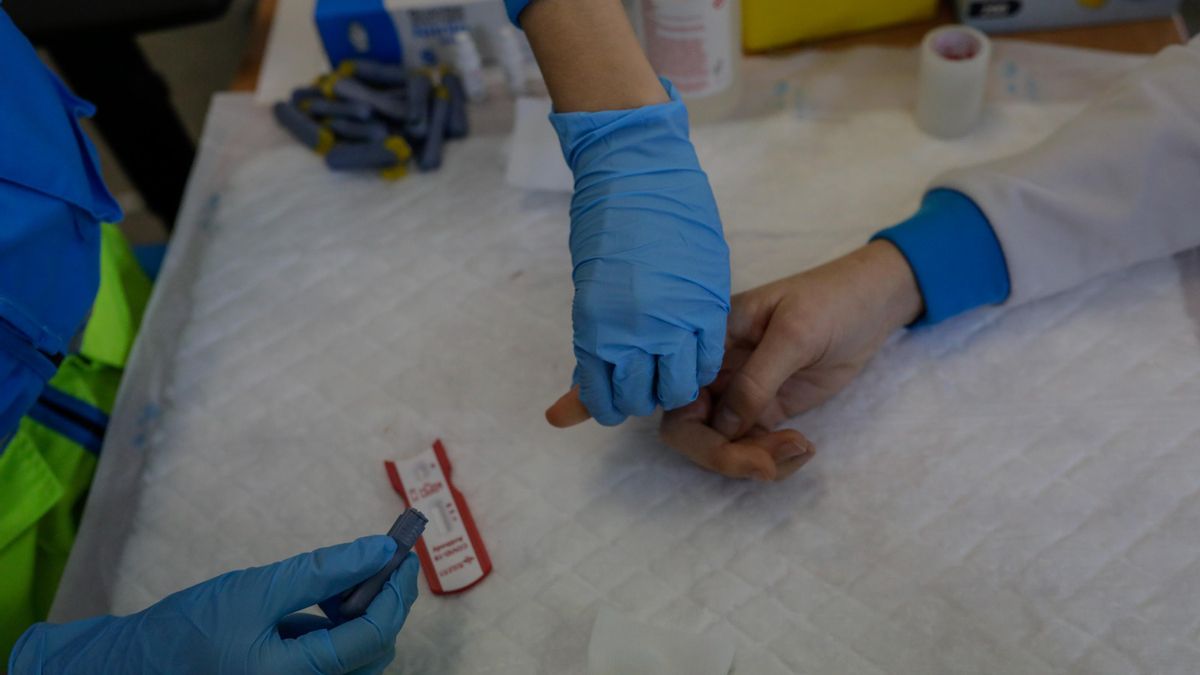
(370, 116)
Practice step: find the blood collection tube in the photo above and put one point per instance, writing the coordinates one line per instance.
(353, 603)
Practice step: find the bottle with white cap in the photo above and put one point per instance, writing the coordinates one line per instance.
(952, 81)
(510, 52)
(468, 63)
(697, 44)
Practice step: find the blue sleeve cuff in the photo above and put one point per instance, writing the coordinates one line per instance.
(515, 7)
(954, 254)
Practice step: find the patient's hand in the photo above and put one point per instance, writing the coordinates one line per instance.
(794, 343)
(790, 346)
(761, 454)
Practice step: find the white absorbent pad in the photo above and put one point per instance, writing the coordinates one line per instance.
(1011, 492)
(622, 646)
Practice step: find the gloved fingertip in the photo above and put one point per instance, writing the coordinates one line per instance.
(633, 385)
(601, 409)
(639, 407)
(676, 384)
(595, 391)
(677, 402)
(407, 573)
(710, 352)
(377, 545)
(610, 420)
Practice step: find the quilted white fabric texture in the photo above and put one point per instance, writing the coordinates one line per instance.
(1013, 492)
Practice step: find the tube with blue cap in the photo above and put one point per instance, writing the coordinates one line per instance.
(456, 116)
(303, 128)
(357, 131)
(354, 602)
(431, 152)
(392, 107)
(306, 94)
(322, 107)
(390, 156)
(374, 72)
(419, 89)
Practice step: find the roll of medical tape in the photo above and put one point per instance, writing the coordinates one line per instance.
(952, 81)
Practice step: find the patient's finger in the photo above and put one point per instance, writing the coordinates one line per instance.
(765, 457)
(773, 415)
(568, 410)
(788, 447)
(735, 357)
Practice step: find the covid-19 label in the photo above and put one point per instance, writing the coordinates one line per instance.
(451, 551)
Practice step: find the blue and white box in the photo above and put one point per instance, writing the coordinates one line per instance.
(409, 32)
(1000, 16)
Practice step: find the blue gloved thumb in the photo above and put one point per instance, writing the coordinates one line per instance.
(361, 641)
(304, 580)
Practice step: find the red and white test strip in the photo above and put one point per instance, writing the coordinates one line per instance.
(451, 551)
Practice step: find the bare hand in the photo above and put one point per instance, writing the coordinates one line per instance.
(796, 342)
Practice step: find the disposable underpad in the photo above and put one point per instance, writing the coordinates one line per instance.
(1012, 492)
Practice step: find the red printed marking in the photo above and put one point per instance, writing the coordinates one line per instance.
(432, 574)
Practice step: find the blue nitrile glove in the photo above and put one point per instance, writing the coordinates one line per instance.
(651, 267)
(514, 8)
(240, 622)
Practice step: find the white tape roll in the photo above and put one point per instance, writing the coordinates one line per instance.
(953, 80)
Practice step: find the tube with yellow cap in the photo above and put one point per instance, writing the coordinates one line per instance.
(303, 128)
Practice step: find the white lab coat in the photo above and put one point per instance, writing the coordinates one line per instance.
(1115, 186)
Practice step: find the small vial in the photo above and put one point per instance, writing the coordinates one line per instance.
(302, 127)
(419, 90)
(512, 58)
(469, 65)
(430, 158)
(457, 124)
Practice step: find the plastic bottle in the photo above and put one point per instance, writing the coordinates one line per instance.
(697, 44)
(511, 56)
(465, 57)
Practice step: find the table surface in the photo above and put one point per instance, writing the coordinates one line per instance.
(1141, 37)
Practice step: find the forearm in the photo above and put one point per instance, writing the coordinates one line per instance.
(886, 284)
(589, 56)
(1113, 187)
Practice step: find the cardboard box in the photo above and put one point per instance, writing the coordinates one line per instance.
(410, 32)
(999, 16)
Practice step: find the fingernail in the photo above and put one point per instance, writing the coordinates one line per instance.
(760, 476)
(727, 422)
(795, 451)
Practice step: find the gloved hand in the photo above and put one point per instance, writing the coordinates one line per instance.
(651, 267)
(241, 622)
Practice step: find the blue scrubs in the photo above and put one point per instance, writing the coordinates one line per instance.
(52, 200)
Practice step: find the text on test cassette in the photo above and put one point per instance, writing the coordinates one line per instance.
(451, 551)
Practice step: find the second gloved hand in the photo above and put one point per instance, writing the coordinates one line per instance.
(241, 622)
(651, 267)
